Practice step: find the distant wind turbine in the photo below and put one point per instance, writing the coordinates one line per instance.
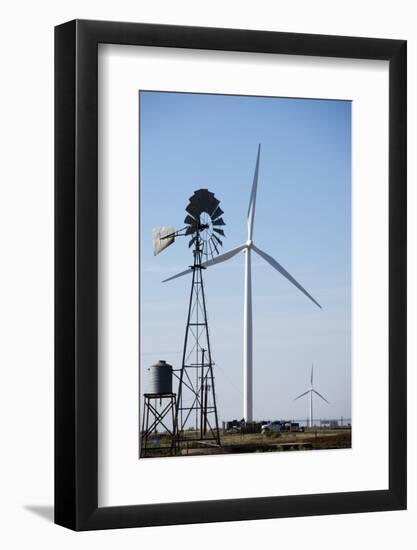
(310, 391)
(247, 247)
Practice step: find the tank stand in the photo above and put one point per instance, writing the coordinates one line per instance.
(158, 411)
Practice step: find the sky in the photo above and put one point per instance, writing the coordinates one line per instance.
(302, 219)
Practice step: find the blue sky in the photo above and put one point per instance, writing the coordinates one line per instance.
(303, 220)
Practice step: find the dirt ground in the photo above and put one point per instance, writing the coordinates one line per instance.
(232, 443)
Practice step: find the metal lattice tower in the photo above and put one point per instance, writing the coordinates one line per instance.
(155, 417)
(196, 417)
(196, 402)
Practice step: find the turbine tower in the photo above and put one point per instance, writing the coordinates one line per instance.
(310, 391)
(247, 248)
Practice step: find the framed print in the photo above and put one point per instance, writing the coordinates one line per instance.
(230, 247)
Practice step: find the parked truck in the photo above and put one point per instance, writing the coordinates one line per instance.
(280, 426)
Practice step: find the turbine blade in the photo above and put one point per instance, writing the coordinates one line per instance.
(302, 395)
(177, 275)
(283, 272)
(252, 200)
(311, 377)
(319, 394)
(208, 263)
(223, 257)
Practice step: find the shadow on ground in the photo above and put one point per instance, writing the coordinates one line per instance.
(45, 512)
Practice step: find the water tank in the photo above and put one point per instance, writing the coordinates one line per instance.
(160, 378)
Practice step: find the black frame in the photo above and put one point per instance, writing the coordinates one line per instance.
(76, 269)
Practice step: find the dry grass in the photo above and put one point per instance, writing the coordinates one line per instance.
(257, 443)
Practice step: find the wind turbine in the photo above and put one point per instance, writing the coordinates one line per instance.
(247, 248)
(310, 391)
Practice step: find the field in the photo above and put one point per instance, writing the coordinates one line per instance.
(233, 443)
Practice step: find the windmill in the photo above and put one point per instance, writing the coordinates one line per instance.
(247, 248)
(196, 410)
(310, 391)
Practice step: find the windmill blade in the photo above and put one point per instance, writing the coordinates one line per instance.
(217, 260)
(215, 247)
(216, 213)
(204, 200)
(216, 238)
(219, 222)
(211, 249)
(211, 205)
(302, 395)
(189, 220)
(252, 200)
(319, 394)
(193, 210)
(311, 376)
(283, 272)
(219, 231)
